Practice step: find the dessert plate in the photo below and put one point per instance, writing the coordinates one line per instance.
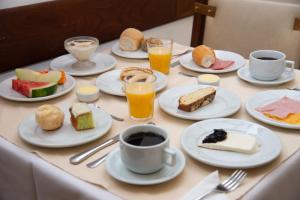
(263, 98)
(66, 136)
(270, 145)
(7, 92)
(244, 74)
(187, 62)
(140, 54)
(225, 103)
(110, 82)
(103, 62)
(115, 168)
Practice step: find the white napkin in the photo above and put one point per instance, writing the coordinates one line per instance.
(207, 184)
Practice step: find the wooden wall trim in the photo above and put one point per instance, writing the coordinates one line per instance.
(198, 26)
(36, 32)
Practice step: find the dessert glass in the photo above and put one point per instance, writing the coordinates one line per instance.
(160, 55)
(140, 98)
(82, 48)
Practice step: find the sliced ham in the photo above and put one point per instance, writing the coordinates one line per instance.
(222, 64)
(281, 108)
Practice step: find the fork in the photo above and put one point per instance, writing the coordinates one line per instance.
(228, 185)
(294, 88)
(113, 116)
(188, 75)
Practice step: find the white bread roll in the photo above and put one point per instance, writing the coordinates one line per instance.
(49, 117)
(130, 39)
(204, 56)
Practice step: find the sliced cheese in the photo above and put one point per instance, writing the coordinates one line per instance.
(236, 142)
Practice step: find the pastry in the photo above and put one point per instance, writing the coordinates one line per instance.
(130, 39)
(204, 56)
(49, 117)
(81, 116)
(136, 74)
(194, 100)
(225, 141)
(151, 41)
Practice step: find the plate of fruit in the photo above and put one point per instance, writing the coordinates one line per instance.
(30, 85)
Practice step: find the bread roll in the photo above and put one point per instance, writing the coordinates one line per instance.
(204, 56)
(130, 39)
(49, 117)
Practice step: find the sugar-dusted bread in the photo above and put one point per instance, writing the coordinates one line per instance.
(132, 72)
(130, 39)
(194, 100)
(204, 56)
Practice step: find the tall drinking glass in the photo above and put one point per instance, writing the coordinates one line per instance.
(140, 98)
(160, 55)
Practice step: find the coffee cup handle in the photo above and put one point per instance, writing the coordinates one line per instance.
(290, 64)
(170, 156)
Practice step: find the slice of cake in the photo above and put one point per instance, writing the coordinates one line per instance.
(81, 116)
(192, 101)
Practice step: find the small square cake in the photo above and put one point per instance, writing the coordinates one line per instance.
(81, 116)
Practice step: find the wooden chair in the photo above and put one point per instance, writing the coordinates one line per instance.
(246, 25)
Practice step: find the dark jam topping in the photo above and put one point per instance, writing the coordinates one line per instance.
(217, 136)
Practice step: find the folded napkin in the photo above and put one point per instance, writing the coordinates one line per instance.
(207, 184)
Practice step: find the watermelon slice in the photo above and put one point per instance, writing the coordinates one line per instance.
(34, 89)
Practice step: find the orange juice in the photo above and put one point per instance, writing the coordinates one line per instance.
(140, 99)
(160, 58)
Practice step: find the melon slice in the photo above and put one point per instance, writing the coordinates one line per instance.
(34, 89)
(31, 75)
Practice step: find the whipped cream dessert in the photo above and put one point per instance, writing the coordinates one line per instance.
(81, 48)
(224, 141)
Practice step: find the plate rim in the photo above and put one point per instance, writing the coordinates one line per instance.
(110, 121)
(265, 83)
(252, 112)
(203, 70)
(155, 182)
(116, 45)
(225, 166)
(86, 73)
(164, 85)
(55, 95)
(199, 118)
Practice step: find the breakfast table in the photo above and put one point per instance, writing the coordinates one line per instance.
(258, 181)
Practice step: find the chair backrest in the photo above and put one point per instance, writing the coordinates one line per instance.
(246, 25)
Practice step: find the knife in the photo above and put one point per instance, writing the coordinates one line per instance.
(80, 157)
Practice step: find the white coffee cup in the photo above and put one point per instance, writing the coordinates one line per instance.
(146, 159)
(265, 69)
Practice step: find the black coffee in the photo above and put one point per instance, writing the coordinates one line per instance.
(267, 58)
(144, 139)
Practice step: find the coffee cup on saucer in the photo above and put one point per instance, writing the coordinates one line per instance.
(268, 65)
(145, 149)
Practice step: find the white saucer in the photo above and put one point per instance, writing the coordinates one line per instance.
(66, 136)
(263, 98)
(245, 75)
(7, 92)
(104, 62)
(270, 145)
(115, 168)
(225, 103)
(140, 54)
(110, 82)
(187, 62)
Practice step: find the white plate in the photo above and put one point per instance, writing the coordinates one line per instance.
(115, 168)
(264, 98)
(140, 54)
(66, 136)
(187, 62)
(110, 82)
(225, 103)
(270, 145)
(244, 74)
(103, 62)
(7, 92)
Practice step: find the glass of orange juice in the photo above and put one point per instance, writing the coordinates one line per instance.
(140, 98)
(160, 54)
